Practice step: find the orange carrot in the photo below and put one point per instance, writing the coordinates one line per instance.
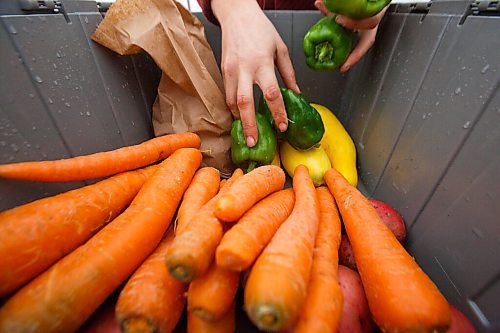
(241, 245)
(277, 285)
(193, 249)
(247, 190)
(35, 235)
(323, 305)
(401, 297)
(210, 296)
(152, 300)
(64, 296)
(222, 183)
(203, 187)
(226, 324)
(103, 163)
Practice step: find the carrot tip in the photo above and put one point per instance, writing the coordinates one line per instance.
(181, 273)
(137, 324)
(267, 317)
(203, 314)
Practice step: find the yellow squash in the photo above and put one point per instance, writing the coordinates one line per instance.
(315, 159)
(338, 145)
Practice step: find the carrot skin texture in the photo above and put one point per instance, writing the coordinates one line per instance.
(203, 187)
(101, 164)
(277, 285)
(35, 235)
(401, 297)
(212, 294)
(247, 190)
(151, 296)
(323, 305)
(193, 249)
(226, 324)
(242, 244)
(64, 296)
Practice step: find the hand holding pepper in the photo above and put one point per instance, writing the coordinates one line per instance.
(366, 25)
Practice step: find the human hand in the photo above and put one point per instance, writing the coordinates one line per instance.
(251, 47)
(367, 31)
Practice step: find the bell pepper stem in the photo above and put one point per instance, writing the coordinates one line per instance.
(251, 166)
(324, 51)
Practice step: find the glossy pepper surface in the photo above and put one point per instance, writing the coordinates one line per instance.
(327, 44)
(262, 153)
(305, 127)
(356, 9)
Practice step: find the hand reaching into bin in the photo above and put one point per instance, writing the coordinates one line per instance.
(252, 47)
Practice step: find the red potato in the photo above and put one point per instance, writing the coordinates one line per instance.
(103, 320)
(459, 322)
(346, 256)
(391, 218)
(356, 316)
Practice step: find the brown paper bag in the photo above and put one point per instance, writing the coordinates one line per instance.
(190, 93)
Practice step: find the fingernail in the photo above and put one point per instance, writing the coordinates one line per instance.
(250, 141)
(297, 88)
(282, 127)
(345, 69)
(339, 20)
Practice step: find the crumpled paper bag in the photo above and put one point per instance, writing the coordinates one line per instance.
(190, 93)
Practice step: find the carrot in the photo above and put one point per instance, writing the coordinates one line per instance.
(247, 190)
(211, 295)
(35, 235)
(401, 297)
(222, 183)
(241, 245)
(193, 249)
(277, 285)
(152, 299)
(103, 163)
(323, 305)
(64, 296)
(203, 187)
(226, 324)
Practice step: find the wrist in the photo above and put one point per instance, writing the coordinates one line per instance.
(223, 9)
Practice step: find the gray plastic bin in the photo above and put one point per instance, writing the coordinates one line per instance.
(423, 108)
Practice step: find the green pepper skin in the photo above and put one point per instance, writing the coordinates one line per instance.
(305, 127)
(260, 154)
(327, 44)
(356, 9)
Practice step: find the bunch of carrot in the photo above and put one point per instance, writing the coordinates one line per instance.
(64, 255)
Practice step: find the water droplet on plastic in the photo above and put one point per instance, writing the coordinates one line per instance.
(437, 103)
(28, 145)
(34, 128)
(56, 83)
(86, 19)
(88, 114)
(458, 91)
(58, 55)
(81, 113)
(66, 77)
(133, 123)
(54, 65)
(37, 146)
(12, 30)
(467, 124)
(14, 130)
(32, 96)
(38, 79)
(424, 116)
(478, 233)
(51, 101)
(67, 105)
(485, 69)
(14, 147)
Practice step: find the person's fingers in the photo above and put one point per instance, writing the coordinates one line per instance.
(366, 40)
(364, 24)
(266, 79)
(322, 8)
(285, 67)
(245, 103)
(230, 78)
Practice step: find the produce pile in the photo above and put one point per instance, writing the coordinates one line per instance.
(173, 237)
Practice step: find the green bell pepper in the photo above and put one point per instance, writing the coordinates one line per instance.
(260, 154)
(305, 127)
(356, 9)
(327, 44)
